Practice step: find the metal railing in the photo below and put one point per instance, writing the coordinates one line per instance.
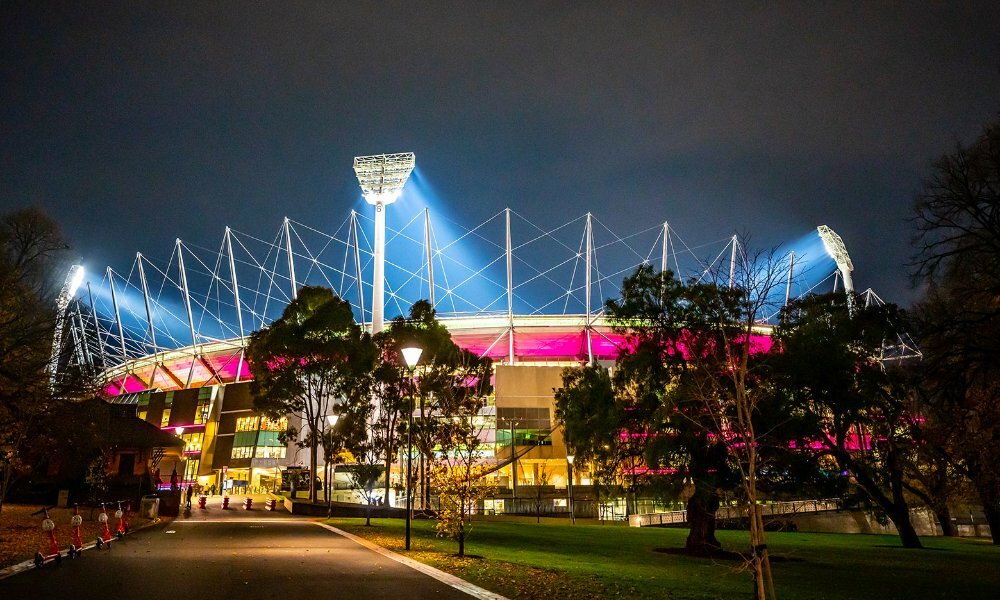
(737, 512)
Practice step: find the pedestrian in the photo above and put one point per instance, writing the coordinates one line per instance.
(190, 492)
(173, 480)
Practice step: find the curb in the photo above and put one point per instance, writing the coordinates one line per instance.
(30, 563)
(447, 578)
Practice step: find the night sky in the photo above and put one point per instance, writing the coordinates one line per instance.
(135, 123)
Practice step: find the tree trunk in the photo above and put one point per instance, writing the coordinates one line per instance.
(388, 469)
(943, 515)
(701, 508)
(368, 513)
(313, 457)
(992, 512)
(900, 517)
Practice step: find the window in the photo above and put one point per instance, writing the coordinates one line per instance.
(193, 442)
(166, 418)
(247, 424)
(270, 452)
(273, 424)
(242, 451)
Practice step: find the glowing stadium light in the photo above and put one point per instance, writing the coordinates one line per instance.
(381, 178)
(72, 283)
(835, 247)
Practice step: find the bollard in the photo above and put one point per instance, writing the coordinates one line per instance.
(105, 537)
(128, 513)
(270, 504)
(49, 527)
(225, 503)
(76, 548)
(247, 503)
(202, 499)
(120, 515)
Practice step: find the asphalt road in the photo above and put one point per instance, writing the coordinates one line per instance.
(229, 558)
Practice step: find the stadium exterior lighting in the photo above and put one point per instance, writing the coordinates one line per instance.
(72, 283)
(381, 178)
(835, 247)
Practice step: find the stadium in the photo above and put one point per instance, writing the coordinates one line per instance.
(168, 336)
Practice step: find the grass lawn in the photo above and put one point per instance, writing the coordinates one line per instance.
(523, 560)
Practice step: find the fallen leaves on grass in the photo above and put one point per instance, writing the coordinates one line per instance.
(21, 534)
(520, 582)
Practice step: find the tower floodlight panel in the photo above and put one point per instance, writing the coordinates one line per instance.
(382, 176)
(835, 247)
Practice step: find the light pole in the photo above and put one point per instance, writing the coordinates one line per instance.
(332, 483)
(381, 178)
(410, 355)
(73, 280)
(572, 506)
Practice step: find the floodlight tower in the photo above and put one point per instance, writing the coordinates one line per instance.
(73, 280)
(382, 178)
(835, 247)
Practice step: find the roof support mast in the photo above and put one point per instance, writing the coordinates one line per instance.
(666, 247)
(118, 321)
(236, 299)
(590, 251)
(357, 264)
(149, 318)
(430, 255)
(291, 260)
(97, 329)
(187, 307)
(510, 291)
(732, 265)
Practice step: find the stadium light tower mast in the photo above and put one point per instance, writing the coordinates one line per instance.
(73, 280)
(382, 178)
(835, 247)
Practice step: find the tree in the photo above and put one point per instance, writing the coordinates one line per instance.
(957, 217)
(33, 264)
(592, 420)
(849, 407)
(306, 361)
(458, 474)
(672, 331)
(452, 382)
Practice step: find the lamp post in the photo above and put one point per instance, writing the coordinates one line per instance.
(332, 482)
(410, 355)
(180, 433)
(572, 506)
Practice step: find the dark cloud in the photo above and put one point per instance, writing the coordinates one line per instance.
(135, 123)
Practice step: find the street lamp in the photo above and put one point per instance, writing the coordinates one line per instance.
(572, 506)
(331, 485)
(410, 355)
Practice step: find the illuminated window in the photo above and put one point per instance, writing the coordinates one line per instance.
(193, 441)
(267, 424)
(271, 451)
(247, 423)
(166, 418)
